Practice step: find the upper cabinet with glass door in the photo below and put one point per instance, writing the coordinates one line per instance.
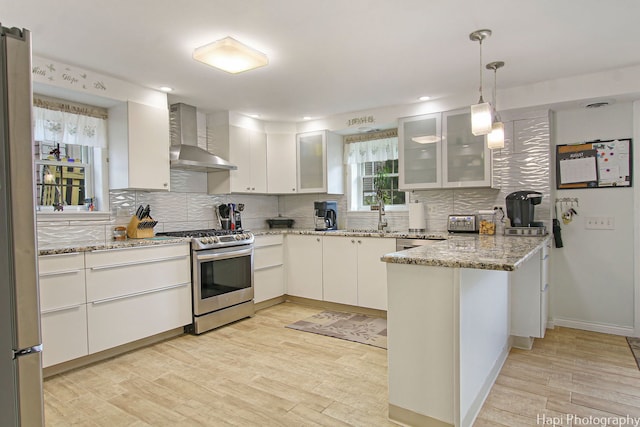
(419, 149)
(320, 162)
(466, 160)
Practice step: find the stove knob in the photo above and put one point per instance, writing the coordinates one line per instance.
(206, 240)
(215, 239)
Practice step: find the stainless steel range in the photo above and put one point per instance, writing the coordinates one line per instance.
(221, 276)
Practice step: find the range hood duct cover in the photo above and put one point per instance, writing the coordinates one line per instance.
(184, 152)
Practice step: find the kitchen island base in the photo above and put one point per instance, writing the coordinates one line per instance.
(448, 331)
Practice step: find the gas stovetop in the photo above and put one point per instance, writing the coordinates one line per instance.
(211, 239)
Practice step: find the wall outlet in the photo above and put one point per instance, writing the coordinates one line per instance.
(599, 223)
(431, 209)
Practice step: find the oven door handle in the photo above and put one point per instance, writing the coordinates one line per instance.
(209, 256)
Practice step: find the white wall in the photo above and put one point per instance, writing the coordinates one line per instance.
(593, 274)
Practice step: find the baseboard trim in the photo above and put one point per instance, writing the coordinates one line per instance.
(269, 303)
(407, 417)
(83, 361)
(594, 327)
(326, 305)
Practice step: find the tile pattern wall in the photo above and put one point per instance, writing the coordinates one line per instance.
(522, 165)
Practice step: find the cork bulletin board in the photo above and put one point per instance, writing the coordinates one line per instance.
(594, 164)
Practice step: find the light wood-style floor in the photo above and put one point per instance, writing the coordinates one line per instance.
(258, 373)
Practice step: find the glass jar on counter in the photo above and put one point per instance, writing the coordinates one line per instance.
(487, 222)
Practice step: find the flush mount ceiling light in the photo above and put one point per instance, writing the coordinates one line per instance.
(481, 112)
(230, 55)
(495, 138)
(166, 89)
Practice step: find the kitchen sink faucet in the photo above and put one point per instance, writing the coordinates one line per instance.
(382, 222)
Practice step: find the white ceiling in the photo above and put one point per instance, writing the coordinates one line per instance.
(332, 56)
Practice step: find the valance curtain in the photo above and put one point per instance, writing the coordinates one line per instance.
(69, 128)
(376, 150)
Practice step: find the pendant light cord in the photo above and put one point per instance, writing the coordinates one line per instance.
(481, 101)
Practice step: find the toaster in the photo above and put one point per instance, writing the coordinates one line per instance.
(462, 224)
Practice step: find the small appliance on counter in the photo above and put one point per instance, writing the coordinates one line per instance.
(417, 223)
(462, 223)
(280, 222)
(520, 211)
(326, 215)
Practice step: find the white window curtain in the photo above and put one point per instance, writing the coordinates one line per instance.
(376, 150)
(69, 128)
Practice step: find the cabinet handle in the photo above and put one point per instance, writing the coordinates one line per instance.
(253, 188)
(353, 241)
(293, 189)
(317, 239)
(65, 308)
(148, 261)
(359, 241)
(165, 184)
(59, 273)
(135, 294)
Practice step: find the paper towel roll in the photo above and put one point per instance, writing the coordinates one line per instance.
(416, 217)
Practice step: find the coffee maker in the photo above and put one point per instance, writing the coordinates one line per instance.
(520, 208)
(326, 215)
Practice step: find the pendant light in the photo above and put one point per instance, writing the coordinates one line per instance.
(481, 120)
(495, 139)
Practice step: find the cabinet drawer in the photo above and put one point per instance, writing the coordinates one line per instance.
(268, 256)
(129, 256)
(268, 283)
(63, 289)
(48, 264)
(123, 320)
(113, 281)
(268, 240)
(64, 335)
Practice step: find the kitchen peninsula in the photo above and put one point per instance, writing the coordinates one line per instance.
(450, 322)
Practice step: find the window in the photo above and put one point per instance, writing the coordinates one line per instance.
(382, 175)
(70, 156)
(372, 164)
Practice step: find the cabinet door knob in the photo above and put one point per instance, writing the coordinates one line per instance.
(293, 189)
(165, 184)
(359, 241)
(353, 241)
(253, 188)
(317, 239)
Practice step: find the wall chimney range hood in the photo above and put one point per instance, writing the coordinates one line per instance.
(184, 152)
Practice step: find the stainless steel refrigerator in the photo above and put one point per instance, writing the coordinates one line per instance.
(21, 399)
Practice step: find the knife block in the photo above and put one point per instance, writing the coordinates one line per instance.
(135, 232)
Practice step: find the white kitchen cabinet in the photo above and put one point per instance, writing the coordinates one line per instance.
(372, 273)
(304, 266)
(281, 164)
(62, 307)
(466, 160)
(529, 296)
(419, 152)
(268, 262)
(340, 269)
(138, 147)
(320, 166)
(352, 271)
(247, 150)
(447, 155)
(134, 293)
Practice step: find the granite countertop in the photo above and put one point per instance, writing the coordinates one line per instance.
(355, 233)
(479, 251)
(129, 243)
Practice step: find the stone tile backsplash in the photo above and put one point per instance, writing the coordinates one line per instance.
(524, 164)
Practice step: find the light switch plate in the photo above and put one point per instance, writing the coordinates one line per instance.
(599, 223)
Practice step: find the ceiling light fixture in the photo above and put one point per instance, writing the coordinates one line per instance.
(306, 118)
(424, 98)
(230, 55)
(166, 89)
(495, 138)
(481, 112)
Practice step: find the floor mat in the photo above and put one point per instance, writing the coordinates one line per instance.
(347, 326)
